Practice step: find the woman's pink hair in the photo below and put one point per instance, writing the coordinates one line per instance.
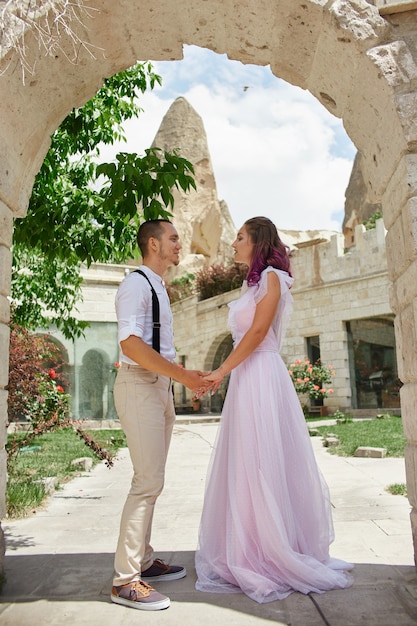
(268, 248)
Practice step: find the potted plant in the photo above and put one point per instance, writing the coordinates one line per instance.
(311, 379)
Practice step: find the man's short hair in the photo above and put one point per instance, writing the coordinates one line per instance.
(148, 229)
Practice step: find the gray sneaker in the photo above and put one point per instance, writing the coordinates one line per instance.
(161, 571)
(139, 595)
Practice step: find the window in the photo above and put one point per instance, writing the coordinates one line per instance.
(373, 364)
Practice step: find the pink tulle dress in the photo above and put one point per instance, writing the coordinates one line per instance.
(266, 524)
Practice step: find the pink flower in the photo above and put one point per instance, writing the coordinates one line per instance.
(116, 364)
(306, 380)
(299, 380)
(316, 387)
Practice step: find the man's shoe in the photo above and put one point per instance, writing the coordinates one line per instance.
(139, 595)
(161, 571)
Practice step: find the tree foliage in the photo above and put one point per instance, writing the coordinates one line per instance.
(84, 211)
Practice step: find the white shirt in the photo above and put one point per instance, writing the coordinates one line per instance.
(134, 312)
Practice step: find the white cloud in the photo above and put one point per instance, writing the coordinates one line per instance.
(275, 150)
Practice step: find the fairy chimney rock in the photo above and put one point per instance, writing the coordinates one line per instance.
(203, 222)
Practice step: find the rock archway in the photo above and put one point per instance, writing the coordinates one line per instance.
(361, 66)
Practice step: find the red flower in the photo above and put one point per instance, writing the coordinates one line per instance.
(52, 374)
(60, 389)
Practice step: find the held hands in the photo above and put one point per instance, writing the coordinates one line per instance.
(195, 380)
(201, 382)
(212, 381)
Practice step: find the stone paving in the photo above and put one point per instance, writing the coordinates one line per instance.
(59, 561)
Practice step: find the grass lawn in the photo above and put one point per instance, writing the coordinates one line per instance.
(385, 432)
(51, 455)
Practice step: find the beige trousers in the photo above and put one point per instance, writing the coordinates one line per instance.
(145, 406)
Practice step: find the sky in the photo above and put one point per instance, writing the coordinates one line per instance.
(275, 150)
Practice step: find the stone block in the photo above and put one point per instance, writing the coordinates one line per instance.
(396, 255)
(4, 350)
(4, 309)
(49, 483)
(376, 130)
(408, 394)
(85, 463)
(3, 417)
(5, 270)
(409, 218)
(402, 185)
(406, 107)
(293, 63)
(6, 226)
(368, 451)
(395, 63)
(405, 288)
(330, 441)
(3, 481)
(405, 325)
(410, 457)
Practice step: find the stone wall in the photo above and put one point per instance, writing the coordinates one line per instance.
(331, 287)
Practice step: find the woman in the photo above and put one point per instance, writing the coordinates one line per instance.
(266, 524)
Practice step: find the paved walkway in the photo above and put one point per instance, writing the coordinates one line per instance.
(59, 561)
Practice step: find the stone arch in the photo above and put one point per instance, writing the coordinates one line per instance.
(64, 378)
(219, 350)
(94, 380)
(361, 67)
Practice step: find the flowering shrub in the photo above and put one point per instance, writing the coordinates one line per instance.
(31, 382)
(49, 401)
(216, 279)
(35, 394)
(311, 378)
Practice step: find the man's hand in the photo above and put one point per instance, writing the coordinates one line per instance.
(194, 380)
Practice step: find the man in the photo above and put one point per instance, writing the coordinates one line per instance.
(144, 402)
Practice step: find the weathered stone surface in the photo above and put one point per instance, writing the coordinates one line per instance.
(367, 451)
(331, 442)
(3, 481)
(6, 225)
(85, 463)
(49, 483)
(5, 270)
(400, 188)
(358, 208)
(4, 349)
(387, 7)
(204, 222)
(396, 63)
(409, 410)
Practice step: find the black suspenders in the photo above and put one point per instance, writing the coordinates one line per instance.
(156, 326)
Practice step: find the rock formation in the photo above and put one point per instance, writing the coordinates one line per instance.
(202, 220)
(358, 208)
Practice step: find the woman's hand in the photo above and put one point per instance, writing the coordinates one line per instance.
(214, 379)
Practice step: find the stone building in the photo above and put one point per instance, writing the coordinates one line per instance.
(341, 314)
(355, 338)
(357, 57)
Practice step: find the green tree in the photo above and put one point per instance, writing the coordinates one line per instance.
(84, 211)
